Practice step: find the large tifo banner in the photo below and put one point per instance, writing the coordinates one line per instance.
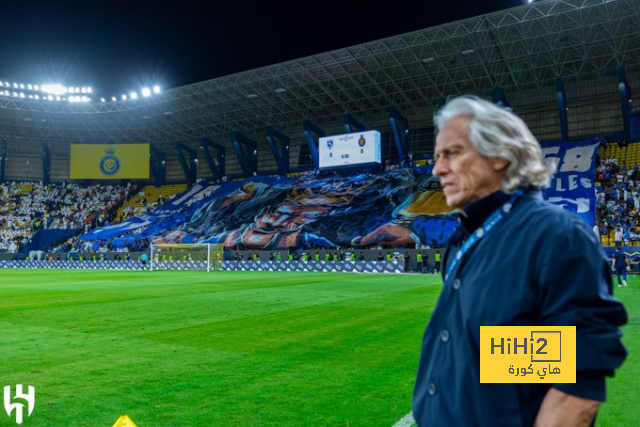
(572, 186)
(390, 208)
(109, 161)
(397, 207)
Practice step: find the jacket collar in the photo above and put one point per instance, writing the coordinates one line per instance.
(477, 212)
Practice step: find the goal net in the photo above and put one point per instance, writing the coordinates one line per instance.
(196, 256)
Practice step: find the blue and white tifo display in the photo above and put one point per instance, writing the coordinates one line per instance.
(353, 149)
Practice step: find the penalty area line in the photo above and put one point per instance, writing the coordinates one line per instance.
(405, 421)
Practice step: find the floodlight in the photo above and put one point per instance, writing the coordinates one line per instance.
(21, 86)
(114, 99)
(124, 97)
(146, 92)
(36, 96)
(15, 85)
(50, 98)
(30, 96)
(83, 90)
(30, 87)
(134, 95)
(102, 100)
(86, 99)
(89, 90)
(156, 89)
(55, 89)
(57, 98)
(36, 87)
(15, 94)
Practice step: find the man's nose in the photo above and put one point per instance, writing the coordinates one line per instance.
(439, 169)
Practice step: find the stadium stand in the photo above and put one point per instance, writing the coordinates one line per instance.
(29, 207)
(618, 194)
(404, 73)
(149, 197)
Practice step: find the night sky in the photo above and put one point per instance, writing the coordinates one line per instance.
(117, 46)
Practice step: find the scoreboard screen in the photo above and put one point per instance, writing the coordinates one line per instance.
(353, 149)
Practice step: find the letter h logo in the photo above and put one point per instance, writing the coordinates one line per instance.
(29, 397)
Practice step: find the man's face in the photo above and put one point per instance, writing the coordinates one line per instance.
(465, 174)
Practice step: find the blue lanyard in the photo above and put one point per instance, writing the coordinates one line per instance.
(491, 222)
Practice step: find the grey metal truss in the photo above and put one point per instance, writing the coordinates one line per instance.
(523, 50)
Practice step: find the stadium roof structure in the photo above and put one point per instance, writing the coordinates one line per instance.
(522, 50)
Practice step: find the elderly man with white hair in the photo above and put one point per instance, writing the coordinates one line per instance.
(515, 260)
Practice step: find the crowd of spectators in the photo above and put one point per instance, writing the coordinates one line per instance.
(142, 206)
(27, 207)
(618, 201)
(137, 205)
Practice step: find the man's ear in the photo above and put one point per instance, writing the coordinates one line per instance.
(500, 164)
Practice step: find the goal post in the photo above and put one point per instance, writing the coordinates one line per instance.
(186, 256)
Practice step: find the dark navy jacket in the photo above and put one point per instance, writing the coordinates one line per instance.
(540, 265)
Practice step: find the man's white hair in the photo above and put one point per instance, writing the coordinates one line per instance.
(498, 133)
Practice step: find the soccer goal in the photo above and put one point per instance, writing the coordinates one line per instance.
(196, 256)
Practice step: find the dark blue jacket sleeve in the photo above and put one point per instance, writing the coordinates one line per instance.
(575, 289)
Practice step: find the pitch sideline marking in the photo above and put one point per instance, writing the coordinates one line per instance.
(405, 421)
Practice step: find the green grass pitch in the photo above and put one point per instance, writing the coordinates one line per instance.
(231, 348)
